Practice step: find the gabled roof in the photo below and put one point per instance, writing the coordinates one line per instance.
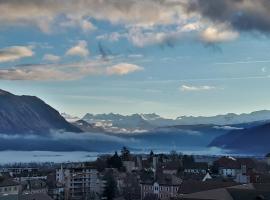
(196, 165)
(191, 186)
(228, 163)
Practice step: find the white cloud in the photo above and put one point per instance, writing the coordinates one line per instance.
(79, 50)
(123, 69)
(191, 88)
(51, 58)
(63, 72)
(228, 128)
(215, 34)
(112, 37)
(87, 26)
(14, 53)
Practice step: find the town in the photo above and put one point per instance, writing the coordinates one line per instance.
(126, 176)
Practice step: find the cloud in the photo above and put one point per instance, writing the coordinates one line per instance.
(66, 72)
(51, 58)
(214, 34)
(87, 26)
(84, 24)
(212, 20)
(79, 50)
(229, 128)
(123, 69)
(14, 53)
(242, 15)
(191, 88)
(112, 37)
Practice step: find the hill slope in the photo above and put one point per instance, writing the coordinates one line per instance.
(29, 114)
(253, 139)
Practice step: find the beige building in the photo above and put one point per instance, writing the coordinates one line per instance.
(9, 187)
(164, 187)
(79, 183)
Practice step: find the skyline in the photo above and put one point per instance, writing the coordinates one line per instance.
(179, 58)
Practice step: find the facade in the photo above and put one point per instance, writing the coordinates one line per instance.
(165, 187)
(228, 167)
(196, 168)
(9, 187)
(129, 165)
(34, 187)
(18, 170)
(79, 183)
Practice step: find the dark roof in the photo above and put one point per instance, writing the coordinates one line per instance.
(8, 182)
(168, 179)
(196, 165)
(228, 163)
(162, 179)
(192, 186)
(39, 196)
(171, 165)
(238, 194)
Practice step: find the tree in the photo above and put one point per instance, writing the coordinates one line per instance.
(100, 164)
(187, 160)
(174, 155)
(115, 161)
(111, 186)
(125, 154)
(151, 154)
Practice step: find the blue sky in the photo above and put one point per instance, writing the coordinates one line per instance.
(107, 57)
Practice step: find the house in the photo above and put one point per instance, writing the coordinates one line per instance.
(228, 166)
(34, 186)
(9, 187)
(171, 167)
(164, 186)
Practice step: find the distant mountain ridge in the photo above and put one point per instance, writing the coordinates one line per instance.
(152, 120)
(226, 119)
(29, 114)
(117, 123)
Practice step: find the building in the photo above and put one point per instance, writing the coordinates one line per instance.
(13, 171)
(129, 165)
(228, 166)
(9, 187)
(165, 186)
(196, 168)
(80, 182)
(34, 186)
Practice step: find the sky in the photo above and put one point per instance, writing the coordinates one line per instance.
(171, 57)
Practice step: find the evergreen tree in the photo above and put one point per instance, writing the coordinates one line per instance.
(111, 186)
(125, 154)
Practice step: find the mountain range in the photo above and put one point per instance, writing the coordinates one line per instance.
(117, 123)
(28, 123)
